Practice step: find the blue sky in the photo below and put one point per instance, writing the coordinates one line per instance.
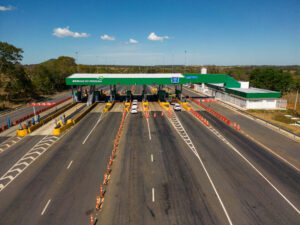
(221, 32)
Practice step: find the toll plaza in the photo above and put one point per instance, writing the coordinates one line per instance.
(95, 83)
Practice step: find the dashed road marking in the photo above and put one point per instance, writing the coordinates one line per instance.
(151, 157)
(153, 196)
(148, 129)
(46, 206)
(70, 164)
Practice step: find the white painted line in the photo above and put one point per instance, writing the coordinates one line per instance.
(193, 149)
(92, 129)
(214, 131)
(149, 129)
(151, 157)
(153, 197)
(266, 179)
(69, 164)
(44, 210)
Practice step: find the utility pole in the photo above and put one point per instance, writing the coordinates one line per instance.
(76, 61)
(184, 60)
(295, 106)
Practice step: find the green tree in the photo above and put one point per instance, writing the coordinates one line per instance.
(271, 78)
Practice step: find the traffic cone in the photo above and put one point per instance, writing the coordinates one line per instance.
(162, 114)
(238, 127)
(234, 125)
(154, 115)
(110, 161)
(92, 219)
(112, 154)
(98, 203)
(101, 191)
(108, 169)
(105, 179)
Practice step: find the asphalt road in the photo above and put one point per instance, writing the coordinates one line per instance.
(182, 192)
(282, 145)
(71, 191)
(180, 195)
(14, 115)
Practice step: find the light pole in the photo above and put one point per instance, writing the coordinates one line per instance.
(76, 61)
(184, 60)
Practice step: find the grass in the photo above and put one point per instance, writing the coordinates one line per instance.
(278, 117)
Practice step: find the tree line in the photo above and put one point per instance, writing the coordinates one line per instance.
(30, 81)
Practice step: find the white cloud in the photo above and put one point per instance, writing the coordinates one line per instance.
(65, 32)
(154, 37)
(107, 38)
(132, 41)
(3, 8)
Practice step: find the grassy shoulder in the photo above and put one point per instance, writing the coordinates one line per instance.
(282, 118)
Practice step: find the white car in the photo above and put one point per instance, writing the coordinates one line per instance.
(134, 111)
(177, 107)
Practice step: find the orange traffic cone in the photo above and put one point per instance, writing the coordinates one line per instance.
(234, 125)
(101, 191)
(98, 203)
(162, 114)
(108, 169)
(110, 161)
(105, 179)
(112, 154)
(238, 127)
(154, 115)
(92, 219)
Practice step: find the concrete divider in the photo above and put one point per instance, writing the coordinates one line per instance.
(146, 106)
(184, 105)
(79, 117)
(42, 122)
(70, 123)
(108, 106)
(46, 120)
(127, 106)
(165, 105)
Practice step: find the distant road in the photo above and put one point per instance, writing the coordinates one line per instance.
(14, 115)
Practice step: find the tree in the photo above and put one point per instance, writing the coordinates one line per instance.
(9, 56)
(271, 78)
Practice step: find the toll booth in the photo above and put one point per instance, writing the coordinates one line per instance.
(97, 96)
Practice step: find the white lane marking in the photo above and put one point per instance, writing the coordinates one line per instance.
(93, 129)
(44, 210)
(271, 151)
(69, 164)
(177, 125)
(151, 157)
(149, 129)
(153, 196)
(20, 162)
(220, 136)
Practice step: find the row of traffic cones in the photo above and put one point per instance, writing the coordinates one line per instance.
(100, 199)
(211, 111)
(201, 118)
(154, 114)
(236, 126)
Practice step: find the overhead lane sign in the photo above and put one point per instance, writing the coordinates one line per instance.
(175, 80)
